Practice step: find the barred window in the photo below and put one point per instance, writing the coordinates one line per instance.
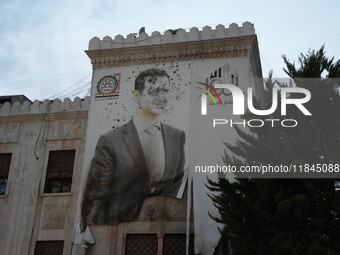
(141, 244)
(59, 171)
(5, 161)
(175, 244)
(49, 247)
(147, 244)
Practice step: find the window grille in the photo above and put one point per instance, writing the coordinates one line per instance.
(174, 244)
(141, 244)
(49, 247)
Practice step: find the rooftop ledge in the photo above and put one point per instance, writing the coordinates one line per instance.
(172, 36)
(46, 106)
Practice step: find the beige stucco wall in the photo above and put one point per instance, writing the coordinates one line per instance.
(29, 132)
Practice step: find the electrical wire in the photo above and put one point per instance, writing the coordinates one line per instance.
(77, 83)
(76, 91)
(268, 65)
(40, 131)
(88, 92)
(42, 123)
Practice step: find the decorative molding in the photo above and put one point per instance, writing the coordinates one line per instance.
(148, 212)
(40, 117)
(54, 216)
(183, 51)
(176, 209)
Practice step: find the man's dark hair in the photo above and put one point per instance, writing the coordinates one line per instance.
(153, 73)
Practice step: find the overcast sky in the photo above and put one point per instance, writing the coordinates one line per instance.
(42, 42)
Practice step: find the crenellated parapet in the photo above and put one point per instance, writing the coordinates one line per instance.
(172, 36)
(174, 45)
(31, 110)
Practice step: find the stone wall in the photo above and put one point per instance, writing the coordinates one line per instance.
(29, 131)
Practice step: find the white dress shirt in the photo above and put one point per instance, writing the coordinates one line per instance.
(151, 138)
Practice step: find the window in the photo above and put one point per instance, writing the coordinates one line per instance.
(234, 80)
(5, 161)
(49, 247)
(59, 171)
(142, 244)
(175, 244)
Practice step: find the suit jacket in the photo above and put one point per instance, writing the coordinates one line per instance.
(119, 180)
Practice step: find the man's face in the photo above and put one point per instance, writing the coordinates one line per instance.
(155, 95)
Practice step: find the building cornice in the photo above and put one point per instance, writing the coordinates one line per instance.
(182, 51)
(76, 115)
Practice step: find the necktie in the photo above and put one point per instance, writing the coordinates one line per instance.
(153, 155)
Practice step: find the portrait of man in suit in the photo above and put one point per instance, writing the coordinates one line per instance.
(144, 157)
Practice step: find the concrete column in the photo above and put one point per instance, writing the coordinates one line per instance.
(113, 240)
(160, 240)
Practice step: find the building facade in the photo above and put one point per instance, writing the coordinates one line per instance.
(39, 185)
(46, 147)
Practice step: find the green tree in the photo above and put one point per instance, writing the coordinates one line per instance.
(287, 216)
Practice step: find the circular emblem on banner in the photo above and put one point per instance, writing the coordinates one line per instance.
(107, 84)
